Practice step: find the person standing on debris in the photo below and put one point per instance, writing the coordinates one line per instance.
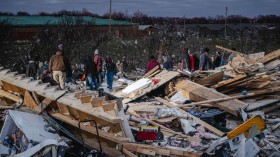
(192, 61)
(68, 70)
(91, 73)
(204, 59)
(110, 72)
(218, 59)
(31, 68)
(98, 61)
(167, 63)
(125, 66)
(232, 55)
(57, 67)
(152, 63)
(185, 64)
(196, 62)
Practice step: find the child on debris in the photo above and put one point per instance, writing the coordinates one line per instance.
(110, 72)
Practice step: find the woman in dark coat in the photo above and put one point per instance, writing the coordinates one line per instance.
(91, 73)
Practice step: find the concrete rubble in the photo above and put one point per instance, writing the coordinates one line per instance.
(230, 111)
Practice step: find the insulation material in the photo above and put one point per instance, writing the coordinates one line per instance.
(179, 98)
(30, 124)
(137, 85)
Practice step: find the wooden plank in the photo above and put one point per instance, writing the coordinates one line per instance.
(199, 121)
(95, 102)
(146, 151)
(29, 101)
(6, 107)
(160, 150)
(35, 96)
(151, 71)
(86, 98)
(128, 153)
(44, 104)
(73, 112)
(227, 82)
(271, 108)
(211, 79)
(270, 57)
(90, 129)
(261, 103)
(261, 92)
(63, 109)
(9, 96)
(201, 93)
(229, 50)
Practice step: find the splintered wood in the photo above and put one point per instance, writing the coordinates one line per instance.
(197, 92)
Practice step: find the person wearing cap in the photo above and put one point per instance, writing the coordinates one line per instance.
(98, 61)
(57, 67)
(204, 59)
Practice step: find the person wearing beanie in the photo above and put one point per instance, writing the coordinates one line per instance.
(98, 61)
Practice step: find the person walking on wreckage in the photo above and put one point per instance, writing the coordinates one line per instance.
(57, 67)
(98, 61)
(204, 59)
(110, 72)
(185, 63)
(91, 74)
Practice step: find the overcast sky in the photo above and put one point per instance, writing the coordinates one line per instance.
(179, 8)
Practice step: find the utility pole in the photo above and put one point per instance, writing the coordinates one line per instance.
(226, 24)
(110, 16)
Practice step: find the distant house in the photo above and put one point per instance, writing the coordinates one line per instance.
(27, 27)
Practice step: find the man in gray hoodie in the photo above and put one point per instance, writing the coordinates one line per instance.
(204, 59)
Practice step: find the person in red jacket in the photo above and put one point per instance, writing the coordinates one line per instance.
(98, 61)
(191, 60)
(152, 63)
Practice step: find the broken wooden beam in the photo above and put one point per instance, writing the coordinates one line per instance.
(229, 50)
(270, 57)
(198, 92)
(189, 138)
(9, 95)
(265, 91)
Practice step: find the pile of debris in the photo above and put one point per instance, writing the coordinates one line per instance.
(230, 111)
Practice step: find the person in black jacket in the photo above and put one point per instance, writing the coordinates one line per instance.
(91, 73)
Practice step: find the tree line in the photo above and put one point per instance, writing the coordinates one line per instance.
(141, 18)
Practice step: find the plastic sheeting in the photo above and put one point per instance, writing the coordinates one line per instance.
(30, 124)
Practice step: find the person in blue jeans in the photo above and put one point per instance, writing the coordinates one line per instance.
(91, 73)
(110, 71)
